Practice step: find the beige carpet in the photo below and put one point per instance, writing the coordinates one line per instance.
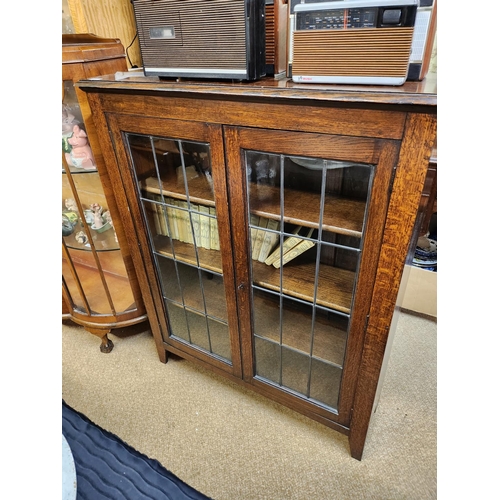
(232, 444)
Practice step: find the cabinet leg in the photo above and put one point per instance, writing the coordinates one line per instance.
(163, 355)
(356, 447)
(106, 344)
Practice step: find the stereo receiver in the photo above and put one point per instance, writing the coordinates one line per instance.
(353, 41)
(219, 39)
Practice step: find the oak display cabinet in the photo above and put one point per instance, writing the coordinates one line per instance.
(269, 223)
(99, 285)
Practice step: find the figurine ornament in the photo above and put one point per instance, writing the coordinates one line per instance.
(75, 143)
(101, 219)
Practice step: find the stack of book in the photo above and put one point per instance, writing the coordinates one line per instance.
(265, 244)
(175, 222)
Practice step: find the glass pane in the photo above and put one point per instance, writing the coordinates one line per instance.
(306, 222)
(103, 292)
(175, 181)
(340, 272)
(267, 360)
(295, 370)
(93, 267)
(292, 325)
(198, 289)
(219, 339)
(325, 383)
(76, 148)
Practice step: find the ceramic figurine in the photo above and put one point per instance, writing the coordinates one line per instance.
(97, 209)
(67, 226)
(89, 216)
(71, 211)
(81, 237)
(108, 220)
(68, 122)
(70, 204)
(80, 154)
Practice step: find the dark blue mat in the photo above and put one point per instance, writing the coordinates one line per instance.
(108, 468)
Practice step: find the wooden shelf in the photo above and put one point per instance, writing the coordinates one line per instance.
(199, 189)
(185, 252)
(341, 215)
(335, 287)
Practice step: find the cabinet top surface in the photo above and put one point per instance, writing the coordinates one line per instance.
(422, 93)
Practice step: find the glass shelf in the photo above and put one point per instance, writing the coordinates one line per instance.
(78, 171)
(103, 242)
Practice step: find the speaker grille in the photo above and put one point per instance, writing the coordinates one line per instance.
(357, 52)
(208, 34)
(270, 31)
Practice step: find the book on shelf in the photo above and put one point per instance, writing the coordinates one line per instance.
(205, 227)
(270, 240)
(214, 230)
(254, 221)
(185, 233)
(154, 209)
(259, 238)
(161, 214)
(173, 218)
(288, 243)
(300, 247)
(195, 217)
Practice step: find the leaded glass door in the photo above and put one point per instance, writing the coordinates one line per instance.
(178, 176)
(306, 203)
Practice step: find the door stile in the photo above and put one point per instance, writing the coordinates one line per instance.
(377, 210)
(239, 223)
(408, 184)
(215, 139)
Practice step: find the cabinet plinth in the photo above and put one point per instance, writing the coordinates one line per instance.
(269, 223)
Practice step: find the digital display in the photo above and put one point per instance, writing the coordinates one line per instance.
(162, 32)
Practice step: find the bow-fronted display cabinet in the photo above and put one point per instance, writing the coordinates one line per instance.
(99, 284)
(270, 222)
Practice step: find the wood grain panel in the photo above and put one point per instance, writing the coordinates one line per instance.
(127, 217)
(309, 118)
(408, 184)
(107, 18)
(368, 97)
(353, 149)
